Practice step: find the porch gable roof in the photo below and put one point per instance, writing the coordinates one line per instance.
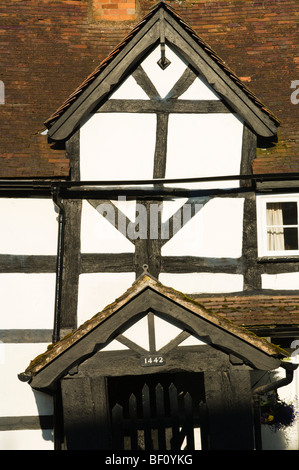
(141, 286)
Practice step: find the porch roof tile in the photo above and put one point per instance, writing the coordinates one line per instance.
(146, 281)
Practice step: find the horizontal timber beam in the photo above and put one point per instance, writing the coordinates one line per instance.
(31, 336)
(27, 264)
(190, 264)
(107, 262)
(22, 423)
(124, 262)
(164, 106)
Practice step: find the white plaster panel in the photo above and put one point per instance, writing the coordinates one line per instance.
(138, 333)
(199, 90)
(169, 207)
(28, 227)
(98, 290)
(27, 300)
(203, 282)
(100, 236)
(215, 231)
(114, 345)
(127, 207)
(204, 145)
(27, 440)
(164, 80)
(17, 398)
(129, 90)
(286, 281)
(117, 146)
(193, 341)
(165, 331)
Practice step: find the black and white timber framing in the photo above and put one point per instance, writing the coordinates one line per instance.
(220, 356)
(70, 262)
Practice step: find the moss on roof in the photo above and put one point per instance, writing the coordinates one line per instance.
(144, 282)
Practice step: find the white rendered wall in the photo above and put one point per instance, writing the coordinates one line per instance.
(204, 145)
(117, 146)
(18, 399)
(28, 227)
(100, 236)
(164, 80)
(27, 300)
(197, 283)
(215, 231)
(98, 290)
(284, 281)
(27, 440)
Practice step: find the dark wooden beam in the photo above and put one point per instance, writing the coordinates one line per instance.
(71, 265)
(192, 264)
(251, 270)
(146, 84)
(164, 106)
(228, 399)
(80, 425)
(107, 262)
(124, 262)
(161, 146)
(131, 345)
(249, 143)
(27, 264)
(22, 423)
(72, 148)
(26, 336)
(182, 84)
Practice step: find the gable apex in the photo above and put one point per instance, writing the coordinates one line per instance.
(162, 25)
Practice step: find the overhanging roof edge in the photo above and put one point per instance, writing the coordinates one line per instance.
(57, 120)
(142, 284)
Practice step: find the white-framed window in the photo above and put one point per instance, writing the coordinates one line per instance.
(278, 225)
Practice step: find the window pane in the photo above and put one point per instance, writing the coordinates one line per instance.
(274, 213)
(280, 215)
(289, 213)
(275, 236)
(291, 239)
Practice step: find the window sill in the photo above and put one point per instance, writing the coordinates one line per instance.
(278, 259)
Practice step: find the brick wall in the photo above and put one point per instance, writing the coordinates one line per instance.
(48, 47)
(112, 10)
(258, 39)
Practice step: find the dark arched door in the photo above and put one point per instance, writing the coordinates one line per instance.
(157, 412)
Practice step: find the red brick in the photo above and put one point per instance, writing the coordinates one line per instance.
(49, 47)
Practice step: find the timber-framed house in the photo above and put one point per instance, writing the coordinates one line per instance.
(163, 233)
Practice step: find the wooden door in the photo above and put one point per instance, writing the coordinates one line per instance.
(157, 412)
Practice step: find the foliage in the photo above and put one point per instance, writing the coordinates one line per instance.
(277, 413)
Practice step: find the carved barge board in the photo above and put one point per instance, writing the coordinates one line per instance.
(132, 52)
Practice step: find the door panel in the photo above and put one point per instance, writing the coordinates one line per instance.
(157, 412)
